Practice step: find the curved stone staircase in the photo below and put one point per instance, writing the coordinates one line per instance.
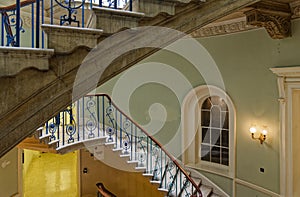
(31, 94)
(97, 124)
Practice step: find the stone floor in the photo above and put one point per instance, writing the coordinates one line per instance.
(47, 174)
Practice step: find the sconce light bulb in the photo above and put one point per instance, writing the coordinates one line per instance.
(252, 129)
(264, 131)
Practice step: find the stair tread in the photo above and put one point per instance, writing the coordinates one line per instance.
(148, 174)
(153, 181)
(206, 191)
(44, 136)
(132, 161)
(53, 142)
(119, 12)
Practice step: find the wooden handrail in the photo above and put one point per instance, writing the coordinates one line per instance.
(103, 191)
(154, 140)
(14, 6)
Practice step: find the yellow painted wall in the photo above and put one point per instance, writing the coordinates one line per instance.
(9, 173)
(47, 174)
(119, 182)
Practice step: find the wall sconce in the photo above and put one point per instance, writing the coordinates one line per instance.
(262, 136)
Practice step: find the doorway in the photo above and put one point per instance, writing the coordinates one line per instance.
(296, 140)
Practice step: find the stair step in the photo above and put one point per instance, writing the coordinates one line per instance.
(53, 142)
(66, 39)
(133, 162)
(112, 20)
(148, 175)
(152, 8)
(155, 182)
(117, 149)
(125, 155)
(109, 143)
(206, 191)
(44, 136)
(162, 189)
(39, 59)
(140, 168)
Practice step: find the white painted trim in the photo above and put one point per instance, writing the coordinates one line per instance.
(236, 181)
(207, 182)
(256, 187)
(288, 79)
(190, 123)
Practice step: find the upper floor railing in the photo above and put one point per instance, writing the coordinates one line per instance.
(96, 117)
(21, 19)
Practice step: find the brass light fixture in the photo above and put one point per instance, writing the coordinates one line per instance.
(262, 136)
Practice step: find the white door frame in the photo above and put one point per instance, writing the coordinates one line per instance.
(288, 79)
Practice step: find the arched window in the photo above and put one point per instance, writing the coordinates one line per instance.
(214, 131)
(208, 127)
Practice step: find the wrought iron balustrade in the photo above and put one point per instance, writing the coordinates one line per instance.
(26, 16)
(97, 117)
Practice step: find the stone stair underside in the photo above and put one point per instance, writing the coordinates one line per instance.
(32, 97)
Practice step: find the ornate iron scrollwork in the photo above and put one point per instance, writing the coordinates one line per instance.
(71, 126)
(72, 6)
(92, 121)
(10, 22)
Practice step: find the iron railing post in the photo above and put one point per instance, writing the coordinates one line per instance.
(37, 26)
(18, 19)
(2, 30)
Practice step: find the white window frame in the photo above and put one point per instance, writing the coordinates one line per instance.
(191, 127)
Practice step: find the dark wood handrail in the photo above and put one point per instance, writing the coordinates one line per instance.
(154, 140)
(103, 191)
(14, 6)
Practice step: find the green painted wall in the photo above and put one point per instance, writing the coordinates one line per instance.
(244, 60)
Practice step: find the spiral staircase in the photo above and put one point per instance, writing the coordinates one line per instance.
(95, 123)
(37, 84)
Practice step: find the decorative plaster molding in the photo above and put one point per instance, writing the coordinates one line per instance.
(273, 16)
(277, 25)
(290, 71)
(221, 28)
(295, 9)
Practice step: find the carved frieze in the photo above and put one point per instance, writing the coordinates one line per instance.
(227, 27)
(295, 8)
(275, 17)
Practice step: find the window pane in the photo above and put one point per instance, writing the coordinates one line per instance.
(205, 135)
(225, 156)
(205, 152)
(215, 131)
(224, 120)
(206, 104)
(225, 138)
(223, 105)
(205, 118)
(215, 154)
(215, 137)
(215, 117)
(215, 100)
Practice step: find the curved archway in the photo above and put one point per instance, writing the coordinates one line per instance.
(192, 131)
